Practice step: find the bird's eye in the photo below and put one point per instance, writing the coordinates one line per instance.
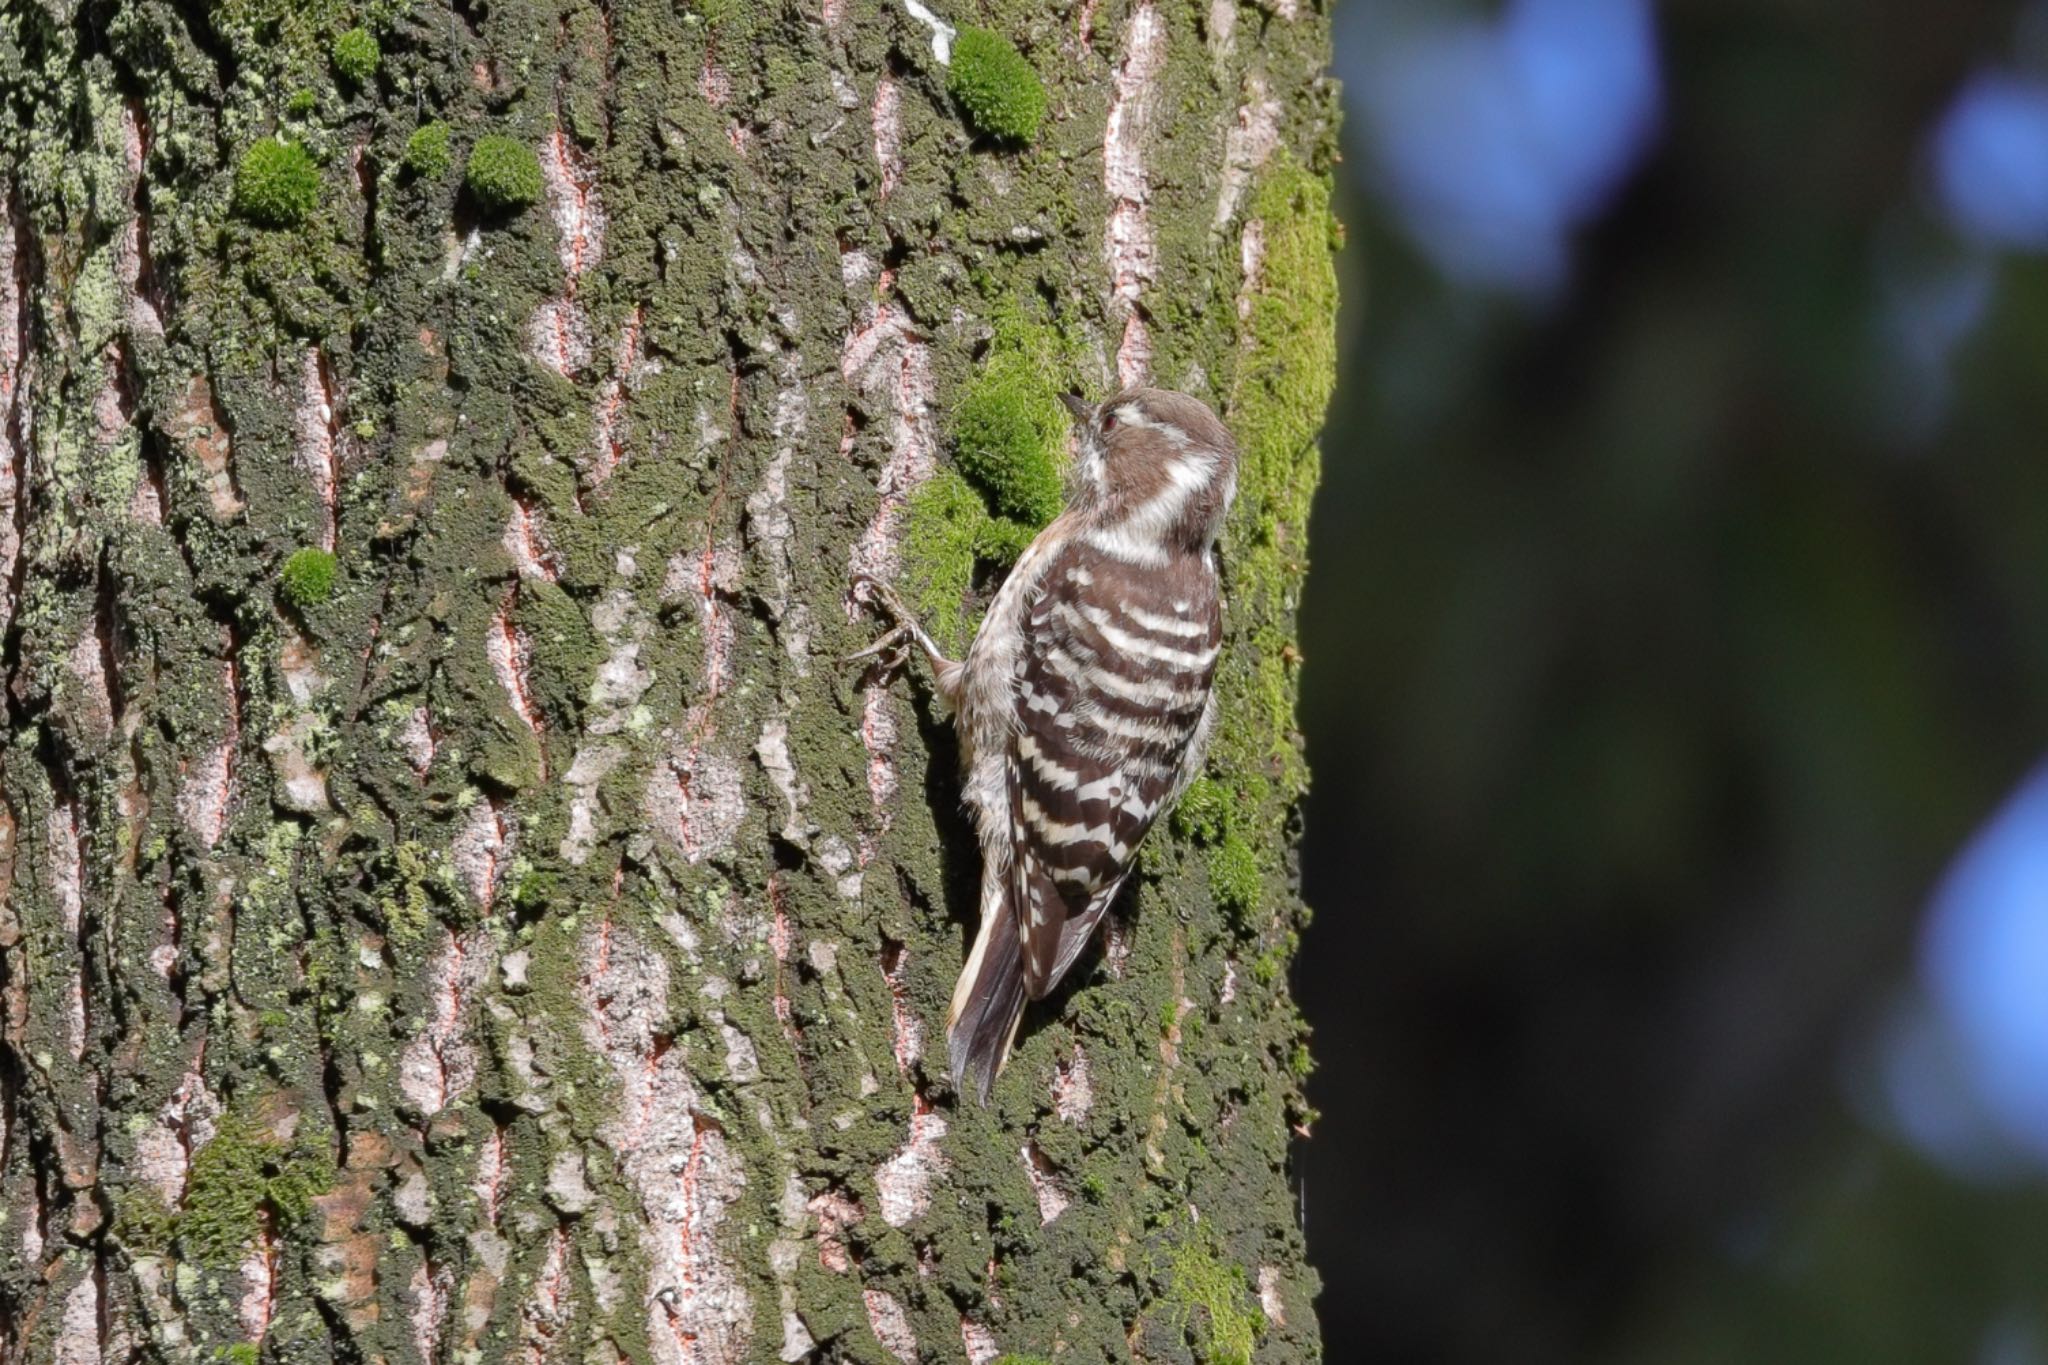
(1108, 422)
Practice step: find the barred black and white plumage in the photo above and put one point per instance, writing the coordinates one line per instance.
(1084, 702)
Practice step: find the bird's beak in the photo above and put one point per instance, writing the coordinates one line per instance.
(1079, 406)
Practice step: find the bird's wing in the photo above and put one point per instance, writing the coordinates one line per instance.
(1113, 685)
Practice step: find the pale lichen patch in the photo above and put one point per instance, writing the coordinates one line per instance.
(768, 515)
(568, 1187)
(1247, 146)
(1073, 1092)
(440, 1063)
(856, 269)
(78, 1334)
(558, 337)
(258, 1304)
(573, 202)
(592, 764)
(183, 1124)
(66, 863)
(301, 782)
(207, 789)
(695, 799)
(836, 1212)
(1222, 28)
(416, 739)
(978, 1342)
(198, 428)
(318, 451)
(1046, 1187)
(905, 1180)
(483, 850)
(298, 663)
(620, 683)
(1270, 1301)
(1129, 244)
(92, 704)
(891, 1325)
(630, 366)
(772, 749)
(943, 33)
(431, 1287)
(526, 541)
(674, 1156)
(887, 118)
(511, 659)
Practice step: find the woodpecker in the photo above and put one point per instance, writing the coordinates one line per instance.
(1084, 702)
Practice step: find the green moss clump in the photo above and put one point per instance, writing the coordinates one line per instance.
(426, 151)
(535, 891)
(1220, 1293)
(995, 85)
(301, 103)
(225, 1203)
(944, 524)
(1234, 878)
(503, 174)
(408, 905)
(241, 1353)
(1001, 541)
(308, 577)
(1271, 964)
(143, 1223)
(1009, 435)
(277, 184)
(1290, 367)
(241, 1171)
(1203, 813)
(355, 55)
(1278, 395)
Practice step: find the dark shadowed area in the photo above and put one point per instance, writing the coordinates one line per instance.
(1678, 688)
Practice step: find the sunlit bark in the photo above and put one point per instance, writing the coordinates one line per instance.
(533, 946)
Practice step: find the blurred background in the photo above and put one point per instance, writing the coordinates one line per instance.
(1678, 688)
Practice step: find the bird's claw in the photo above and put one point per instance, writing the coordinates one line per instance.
(889, 650)
(894, 648)
(871, 590)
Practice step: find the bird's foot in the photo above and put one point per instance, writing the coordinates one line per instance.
(893, 648)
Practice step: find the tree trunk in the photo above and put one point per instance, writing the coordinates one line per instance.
(456, 907)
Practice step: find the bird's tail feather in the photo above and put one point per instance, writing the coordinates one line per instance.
(987, 1004)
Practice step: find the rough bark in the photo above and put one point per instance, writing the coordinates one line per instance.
(534, 947)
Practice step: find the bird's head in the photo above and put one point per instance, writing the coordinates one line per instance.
(1153, 468)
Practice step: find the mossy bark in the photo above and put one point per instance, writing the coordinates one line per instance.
(531, 945)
